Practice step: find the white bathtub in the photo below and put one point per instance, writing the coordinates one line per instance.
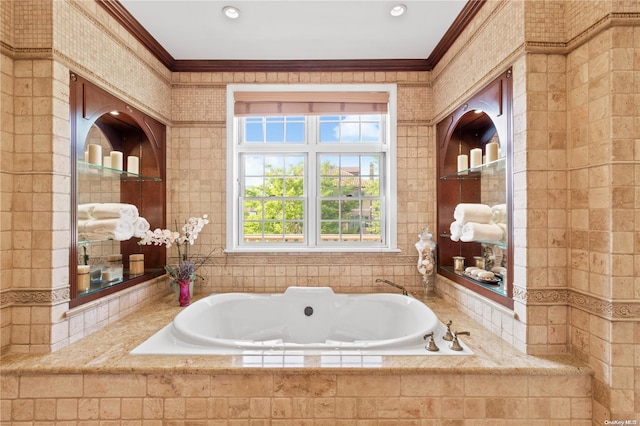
(302, 319)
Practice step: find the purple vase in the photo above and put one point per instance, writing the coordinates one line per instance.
(184, 296)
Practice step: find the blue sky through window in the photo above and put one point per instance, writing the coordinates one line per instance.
(332, 129)
(275, 129)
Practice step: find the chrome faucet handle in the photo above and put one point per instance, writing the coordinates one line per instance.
(455, 344)
(447, 335)
(431, 344)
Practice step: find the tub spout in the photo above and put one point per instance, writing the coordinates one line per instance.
(398, 286)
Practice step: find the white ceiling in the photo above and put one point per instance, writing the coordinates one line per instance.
(295, 29)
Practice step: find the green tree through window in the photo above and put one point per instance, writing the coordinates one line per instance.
(312, 180)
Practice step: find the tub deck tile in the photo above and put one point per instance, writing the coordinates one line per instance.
(107, 351)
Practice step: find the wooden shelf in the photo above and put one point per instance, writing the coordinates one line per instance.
(484, 118)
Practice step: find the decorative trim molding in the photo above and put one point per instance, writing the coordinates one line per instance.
(463, 19)
(362, 65)
(98, 79)
(26, 52)
(551, 296)
(623, 310)
(220, 123)
(606, 22)
(124, 18)
(42, 297)
(613, 310)
(338, 259)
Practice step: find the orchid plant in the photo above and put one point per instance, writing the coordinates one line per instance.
(186, 268)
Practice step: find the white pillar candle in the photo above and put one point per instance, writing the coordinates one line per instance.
(95, 154)
(116, 160)
(86, 156)
(136, 264)
(133, 164)
(492, 152)
(463, 162)
(84, 278)
(476, 157)
(106, 161)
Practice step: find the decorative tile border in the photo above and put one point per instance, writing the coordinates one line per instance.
(306, 259)
(45, 297)
(612, 310)
(606, 22)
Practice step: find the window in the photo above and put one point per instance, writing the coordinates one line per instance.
(311, 170)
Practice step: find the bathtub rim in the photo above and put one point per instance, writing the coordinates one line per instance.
(182, 332)
(165, 342)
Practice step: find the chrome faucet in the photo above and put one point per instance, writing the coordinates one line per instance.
(398, 286)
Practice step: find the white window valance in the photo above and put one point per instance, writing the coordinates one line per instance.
(309, 103)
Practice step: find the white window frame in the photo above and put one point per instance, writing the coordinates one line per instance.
(388, 196)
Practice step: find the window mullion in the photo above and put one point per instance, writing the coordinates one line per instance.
(360, 138)
(312, 228)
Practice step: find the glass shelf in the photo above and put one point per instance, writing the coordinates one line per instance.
(98, 240)
(501, 245)
(497, 287)
(96, 286)
(492, 168)
(84, 167)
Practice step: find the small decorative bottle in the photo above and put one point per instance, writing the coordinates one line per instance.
(426, 261)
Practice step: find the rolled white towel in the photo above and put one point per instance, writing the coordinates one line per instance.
(489, 232)
(85, 211)
(456, 230)
(472, 212)
(127, 212)
(140, 226)
(116, 229)
(499, 213)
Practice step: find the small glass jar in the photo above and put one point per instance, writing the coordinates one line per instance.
(479, 261)
(113, 268)
(458, 263)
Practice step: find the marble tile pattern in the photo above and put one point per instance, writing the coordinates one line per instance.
(95, 379)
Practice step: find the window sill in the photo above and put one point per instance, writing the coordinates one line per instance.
(306, 250)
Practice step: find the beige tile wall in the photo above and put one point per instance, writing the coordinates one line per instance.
(7, 141)
(35, 138)
(197, 171)
(298, 399)
(496, 30)
(540, 179)
(576, 189)
(124, 67)
(590, 312)
(603, 161)
(460, 74)
(7, 29)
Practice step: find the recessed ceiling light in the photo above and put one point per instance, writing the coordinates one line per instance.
(231, 12)
(398, 10)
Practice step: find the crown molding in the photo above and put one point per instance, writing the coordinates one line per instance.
(131, 24)
(124, 18)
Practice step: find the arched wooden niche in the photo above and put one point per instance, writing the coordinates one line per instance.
(99, 118)
(480, 125)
